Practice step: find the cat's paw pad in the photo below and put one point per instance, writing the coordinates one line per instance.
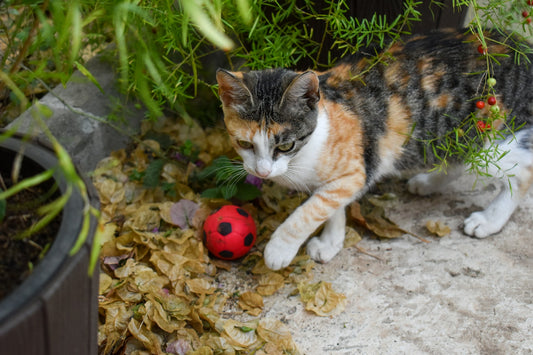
(321, 251)
(278, 254)
(479, 226)
(421, 185)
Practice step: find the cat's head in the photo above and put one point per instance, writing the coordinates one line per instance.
(270, 115)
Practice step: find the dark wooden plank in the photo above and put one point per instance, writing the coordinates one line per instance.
(70, 305)
(24, 333)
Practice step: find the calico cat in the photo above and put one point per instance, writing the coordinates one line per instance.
(336, 133)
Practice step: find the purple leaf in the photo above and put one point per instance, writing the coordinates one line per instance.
(114, 262)
(182, 213)
(253, 180)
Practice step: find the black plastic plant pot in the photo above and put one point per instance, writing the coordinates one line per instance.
(54, 310)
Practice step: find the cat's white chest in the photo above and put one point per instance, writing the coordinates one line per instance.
(302, 168)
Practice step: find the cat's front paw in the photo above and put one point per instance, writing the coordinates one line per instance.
(321, 251)
(278, 254)
(479, 226)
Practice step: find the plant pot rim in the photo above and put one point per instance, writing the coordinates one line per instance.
(71, 221)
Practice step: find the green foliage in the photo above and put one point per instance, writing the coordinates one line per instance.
(230, 180)
(153, 172)
(163, 46)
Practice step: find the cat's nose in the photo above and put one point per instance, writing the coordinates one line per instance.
(262, 174)
(264, 168)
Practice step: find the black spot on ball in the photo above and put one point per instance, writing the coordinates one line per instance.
(224, 228)
(242, 212)
(249, 240)
(226, 254)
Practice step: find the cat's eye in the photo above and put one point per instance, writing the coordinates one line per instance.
(244, 144)
(285, 147)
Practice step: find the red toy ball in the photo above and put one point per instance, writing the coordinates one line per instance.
(229, 232)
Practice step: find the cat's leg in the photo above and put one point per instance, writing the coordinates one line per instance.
(433, 182)
(325, 204)
(517, 165)
(331, 240)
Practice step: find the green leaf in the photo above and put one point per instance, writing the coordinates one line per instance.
(218, 167)
(26, 183)
(247, 192)
(211, 193)
(228, 191)
(153, 172)
(88, 75)
(136, 175)
(44, 110)
(206, 25)
(245, 329)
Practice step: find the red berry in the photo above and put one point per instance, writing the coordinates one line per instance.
(525, 13)
(481, 49)
(491, 100)
(480, 104)
(530, 2)
(481, 126)
(528, 20)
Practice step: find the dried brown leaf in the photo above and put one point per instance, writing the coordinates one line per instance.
(352, 237)
(200, 286)
(251, 302)
(157, 314)
(150, 340)
(238, 334)
(105, 283)
(275, 332)
(269, 283)
(438, 228)
(326, 302)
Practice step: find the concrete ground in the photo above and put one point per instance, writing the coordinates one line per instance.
(453, 295)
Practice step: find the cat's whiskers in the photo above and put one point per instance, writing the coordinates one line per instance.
(235, 178)
(230, 174)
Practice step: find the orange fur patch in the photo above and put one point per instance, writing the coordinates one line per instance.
(396, 48)
(246, 130)
(398, 128)
(342, 158)
(431, 76)
(395, 75)
(441, 101)
(239, 128)
(339, 74)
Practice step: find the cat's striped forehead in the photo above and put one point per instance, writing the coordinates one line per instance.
(266, 89)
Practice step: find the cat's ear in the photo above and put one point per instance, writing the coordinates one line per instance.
(232, 90)
(304, 88)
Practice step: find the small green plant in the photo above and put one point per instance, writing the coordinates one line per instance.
(230, 179)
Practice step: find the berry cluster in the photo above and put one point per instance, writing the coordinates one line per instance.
(494, 108)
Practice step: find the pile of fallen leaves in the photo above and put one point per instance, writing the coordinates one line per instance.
(160, 291)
